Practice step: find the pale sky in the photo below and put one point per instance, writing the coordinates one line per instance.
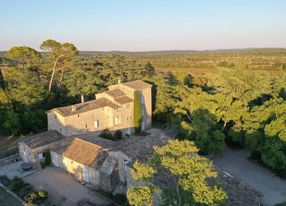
(144, 25)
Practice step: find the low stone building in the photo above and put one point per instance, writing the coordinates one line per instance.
(88, 162)
(33, 148)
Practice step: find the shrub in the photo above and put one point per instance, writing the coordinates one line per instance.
(117, 134)
(106, 134)
(47, 160)
(4, 180)
(120, 199)
(12, 123)
(43, 194)
(31, 198)
(25, 191)
(16, 184)
(256, 155)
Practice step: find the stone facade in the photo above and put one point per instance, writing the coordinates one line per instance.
(112, 110)
(89, 163)
(34, 147)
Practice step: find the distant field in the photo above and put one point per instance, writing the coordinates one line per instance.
(193, 71)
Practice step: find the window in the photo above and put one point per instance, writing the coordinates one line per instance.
(96, 124)
(40, 155)
(78, 115)
(127, 105)
(130, 117)
(117, 120)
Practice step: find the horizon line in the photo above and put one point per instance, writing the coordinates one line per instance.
(169, 50)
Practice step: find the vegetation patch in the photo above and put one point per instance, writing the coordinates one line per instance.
(26, 192)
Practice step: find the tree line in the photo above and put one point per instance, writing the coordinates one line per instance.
(33, 82)
(238, 107)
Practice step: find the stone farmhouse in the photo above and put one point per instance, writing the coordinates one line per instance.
(75, 146)
(112, 109)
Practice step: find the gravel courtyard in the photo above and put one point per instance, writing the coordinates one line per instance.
(63, 189)
(272, 187)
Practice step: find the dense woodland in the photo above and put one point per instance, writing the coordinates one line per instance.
(215, 98)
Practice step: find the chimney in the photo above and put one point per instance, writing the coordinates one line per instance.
(73, 108)
(118, 80)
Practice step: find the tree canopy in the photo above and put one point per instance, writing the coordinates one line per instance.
(188, 170)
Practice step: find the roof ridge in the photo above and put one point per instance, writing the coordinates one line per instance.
(85, 141)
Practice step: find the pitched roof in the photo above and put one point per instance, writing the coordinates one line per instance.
(239, 193)
(141, 148)
(123, 100)
(83, 152)
(86, 106)
(137, 84)
(42, 139)
(135, 147)
(115, 93)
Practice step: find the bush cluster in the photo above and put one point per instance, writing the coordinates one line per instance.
(106, 134)
(25, 191)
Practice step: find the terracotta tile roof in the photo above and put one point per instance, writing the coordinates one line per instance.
(43, 138)
(123, 100)
(84, 107)
(115, 93)
(83, 152)
(137, 84)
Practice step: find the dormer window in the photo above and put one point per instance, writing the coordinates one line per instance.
(73, 108)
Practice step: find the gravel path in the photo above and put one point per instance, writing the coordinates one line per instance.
(63, 189)
(272, 187)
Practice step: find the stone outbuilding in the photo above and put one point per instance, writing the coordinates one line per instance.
(33, 148)
(88, 162)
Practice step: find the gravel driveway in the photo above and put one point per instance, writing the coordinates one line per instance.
(63, 189)
(272, 187)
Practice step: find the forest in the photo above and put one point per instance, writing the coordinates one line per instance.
(234, 98)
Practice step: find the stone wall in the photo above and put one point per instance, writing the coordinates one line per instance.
(10, 159)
